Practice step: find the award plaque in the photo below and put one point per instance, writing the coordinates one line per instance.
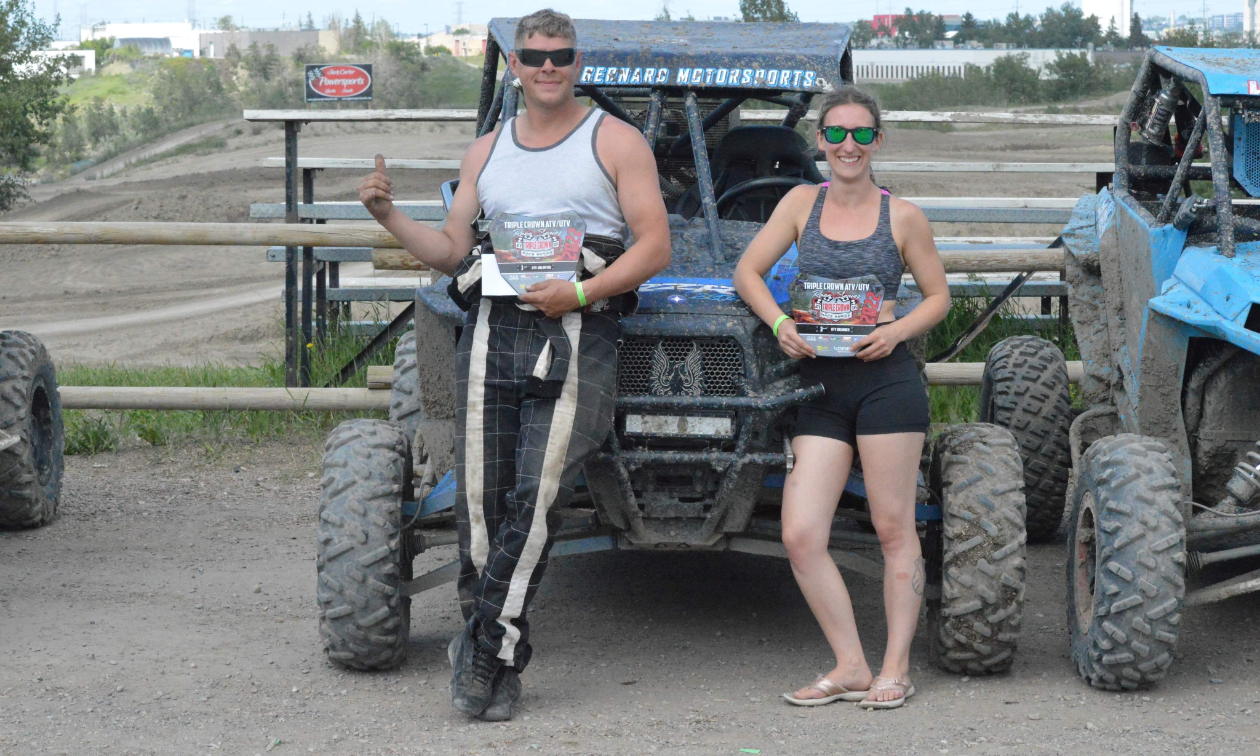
(530, 250)
(833, 315)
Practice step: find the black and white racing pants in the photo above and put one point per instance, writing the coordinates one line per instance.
(518, 455)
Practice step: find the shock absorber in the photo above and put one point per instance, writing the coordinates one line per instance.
(1244, 484)
(1156, 128)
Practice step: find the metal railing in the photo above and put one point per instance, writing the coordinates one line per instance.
(316, 275)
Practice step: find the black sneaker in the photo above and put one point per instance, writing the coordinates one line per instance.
(507, 689)
(472, 674)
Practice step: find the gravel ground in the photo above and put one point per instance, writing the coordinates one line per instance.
(170, 610)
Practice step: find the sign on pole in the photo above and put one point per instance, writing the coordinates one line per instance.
(338, 81)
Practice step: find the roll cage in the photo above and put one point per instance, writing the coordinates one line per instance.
(640, 72)
(1154, 168)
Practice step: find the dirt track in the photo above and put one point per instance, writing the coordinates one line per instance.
(189, 305)
(132, 626)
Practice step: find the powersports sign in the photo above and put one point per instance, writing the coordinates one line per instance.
(339, 81)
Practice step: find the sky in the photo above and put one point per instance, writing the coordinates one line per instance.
(411, 16)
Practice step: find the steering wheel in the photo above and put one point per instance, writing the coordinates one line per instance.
(728, 198)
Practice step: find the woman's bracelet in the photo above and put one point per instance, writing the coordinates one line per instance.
(778, 323)
(577, 285)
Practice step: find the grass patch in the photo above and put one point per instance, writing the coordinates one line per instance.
(94, 431)
(961, 404)
(119, 89)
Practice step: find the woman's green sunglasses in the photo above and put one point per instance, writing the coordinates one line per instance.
(863, 135)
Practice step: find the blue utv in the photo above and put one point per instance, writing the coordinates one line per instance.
(705, 396)
(1164, 275)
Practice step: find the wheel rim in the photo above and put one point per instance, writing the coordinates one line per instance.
(1085, 562)
(42, 435)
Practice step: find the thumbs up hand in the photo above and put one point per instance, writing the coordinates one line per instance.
(377, 193)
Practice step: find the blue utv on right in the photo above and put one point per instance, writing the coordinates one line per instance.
(1164, 275)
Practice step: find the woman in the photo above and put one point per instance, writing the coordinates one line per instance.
(848, 228)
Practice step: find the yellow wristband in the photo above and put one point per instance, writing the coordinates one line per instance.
(581, 296)
(778, 323)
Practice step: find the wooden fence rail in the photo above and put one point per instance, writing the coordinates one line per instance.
(347, 399)
(301, 234)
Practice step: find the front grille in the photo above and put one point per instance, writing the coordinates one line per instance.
(1247, 145)
(722, 359)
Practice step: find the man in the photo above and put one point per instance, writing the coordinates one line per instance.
(535, 375)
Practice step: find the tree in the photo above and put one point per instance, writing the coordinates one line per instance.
(1186, 36)
(1017, 30)
(918, 30)
(262, 66)
(312, 54)
(382, 33)
(437, 50)
(69, 145)
(861, 33)
(309, 24)
(190, 90)
(101, 46)
(968, 29)
(1112, 36)
(1020, 81)
(354, 37)
(1068, 27)
(663, 15)
(766, 10)
(225, 23)
(1137, 39)
(29, 98)
(101, 121)
(1074, 76)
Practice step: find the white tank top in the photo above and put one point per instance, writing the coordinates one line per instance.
(568, 175)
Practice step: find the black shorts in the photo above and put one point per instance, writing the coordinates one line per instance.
(863, 398)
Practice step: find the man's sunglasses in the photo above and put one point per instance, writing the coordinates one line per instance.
(536, 58)
(863, 135)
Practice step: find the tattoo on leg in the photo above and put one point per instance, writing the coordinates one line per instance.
(919, 581)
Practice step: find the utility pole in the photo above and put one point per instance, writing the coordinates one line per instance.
(191, 12)
(459, 12)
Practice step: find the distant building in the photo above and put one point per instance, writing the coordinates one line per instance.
(1227, 22)
(890, 66)
(85, 60)
(181, 38)
(215, 44)
(464, 40)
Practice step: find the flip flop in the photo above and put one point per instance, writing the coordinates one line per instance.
(888, 683)
(830, 692)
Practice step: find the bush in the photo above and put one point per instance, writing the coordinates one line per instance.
(1010, 80)
(188, 91)
(1018, 81)
(406, 79)
(1074, 77)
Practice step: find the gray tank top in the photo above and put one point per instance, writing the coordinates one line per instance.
(568, 175)
(876, 255)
